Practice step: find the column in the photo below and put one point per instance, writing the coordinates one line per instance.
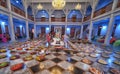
(66, 24)
(49, 21)
(27, 30)
(27, 24)
(3, 27)
(75, 32)
(11, 25)
(81, 32)
(35, 34)
(111, 24)
(91, 22)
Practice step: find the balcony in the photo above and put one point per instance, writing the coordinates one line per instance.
(43, 19)
(17, 10)
(74, 20)
(87, 18)
(103, 10)
(3, 3)
(118, 5)
(53, 19)
(31, 17)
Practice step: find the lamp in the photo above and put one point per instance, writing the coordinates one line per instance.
(39, 7)
(58, 4)
(78, 7)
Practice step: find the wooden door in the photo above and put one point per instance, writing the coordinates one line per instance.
(6, 29)
(72, 32)
(0, 29)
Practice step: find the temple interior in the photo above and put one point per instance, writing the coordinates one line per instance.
(59, 36)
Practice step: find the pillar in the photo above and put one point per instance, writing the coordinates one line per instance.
(11, 25)
(91, 22)
(81, 32)
(35, 34)
(27, 30)
(110, 25)
(27, 24)
(66, 24)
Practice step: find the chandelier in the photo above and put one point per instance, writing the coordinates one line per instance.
(58, 4)
(39, 7)
(78, 7)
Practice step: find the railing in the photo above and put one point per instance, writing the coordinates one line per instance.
(53, 19)
(87, 18)
(103, 10)
(74, 20)
(3, 3)
(31, 17)
(41, 19)
(17, 10)
(118, 5)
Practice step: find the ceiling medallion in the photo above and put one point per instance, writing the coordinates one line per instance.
(39, 7)
(58, 4)
(78, 7)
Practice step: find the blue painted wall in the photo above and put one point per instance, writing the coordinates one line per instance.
(89, 10)
(42, 13)
(117, 31)
(102, 3)
(18, 3)
(38, 28)
(75, 12)
(103, 30)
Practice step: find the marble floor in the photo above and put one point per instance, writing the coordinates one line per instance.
(77, 58)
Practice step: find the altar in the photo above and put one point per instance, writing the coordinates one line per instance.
(57, 39)
(57, 42)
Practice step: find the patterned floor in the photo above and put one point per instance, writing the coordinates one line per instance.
(59, 61)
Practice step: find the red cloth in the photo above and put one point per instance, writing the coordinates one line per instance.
(4, 39)
(101, 40)
(48, 38)
(1, 35)
(112, 40)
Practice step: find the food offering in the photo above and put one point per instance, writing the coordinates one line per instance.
(28, 58)
(17, 67)
(13, 57)
(4, 64)
(105, 55)
(12, 51)
(19, 48)
(3, 56)
(94, 55)
(114, 71)
(87, 61)
(32, 47)
(41, 47)
(3, 50)
(29, 48)
(95, 71)
(102, 61)
(33, 53)
(117, 52)
(117, 62)
(108, 52)
(23, 52)
(80, 54)
(117, 56)
(40, 57)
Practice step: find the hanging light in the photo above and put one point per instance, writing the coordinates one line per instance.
(78, 7)
(58, 4)
(39, 7)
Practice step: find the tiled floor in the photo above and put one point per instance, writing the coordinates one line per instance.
(60, 62)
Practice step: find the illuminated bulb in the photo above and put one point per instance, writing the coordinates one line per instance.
(39, 7)
(58, 4)
(78, 7)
